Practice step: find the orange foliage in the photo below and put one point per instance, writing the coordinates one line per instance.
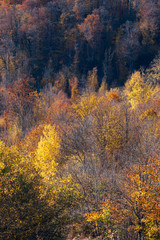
(29, 143)
(91, 27)
(58, 108)
(113, 96)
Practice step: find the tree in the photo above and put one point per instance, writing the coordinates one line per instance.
(137, 90)
(153, 72)
(141, 190)
(48, 152)
(92, 81)
(74, 88)
(128, 46)
(20, 100)
(91, 28)
(31, 208)
(107, 65)
(103, 88)
(61, 80)
(23, 211)
(148, 13)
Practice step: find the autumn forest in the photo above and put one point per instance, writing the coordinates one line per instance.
(80, 119)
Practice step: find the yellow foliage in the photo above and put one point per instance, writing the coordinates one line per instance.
(86, 105)
(137, 90)
(28, 145)
(148, 114)
(2, 147)
(114, 132)
(47, 152)
(103, 88)
(143, 188)
(93, 217)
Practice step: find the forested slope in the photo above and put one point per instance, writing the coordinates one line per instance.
(79, 120)
(81, 166)
(52, 41)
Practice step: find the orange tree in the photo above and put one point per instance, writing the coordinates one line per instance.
(141, 190)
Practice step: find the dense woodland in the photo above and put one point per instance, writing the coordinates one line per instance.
(80, 119)
(52, 41)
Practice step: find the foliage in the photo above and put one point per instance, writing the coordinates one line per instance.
(137, 90)
(79, 152)
(47, 153)
(142, 186)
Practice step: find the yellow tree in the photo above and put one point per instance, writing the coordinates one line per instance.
(103, 88)
(48, 152)
(30, 208)
(137, 90)
(87, 104)
(21, 208)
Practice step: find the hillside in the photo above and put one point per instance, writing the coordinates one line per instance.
(53, 41)
(79, 120)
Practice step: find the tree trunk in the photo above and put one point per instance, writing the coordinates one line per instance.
(141, 235)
